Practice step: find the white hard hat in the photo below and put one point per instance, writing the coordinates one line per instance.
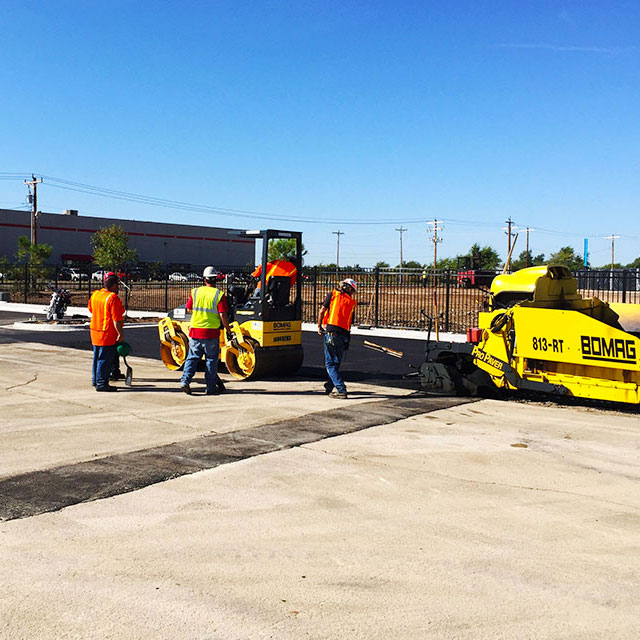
(351, 282)
(210, 272)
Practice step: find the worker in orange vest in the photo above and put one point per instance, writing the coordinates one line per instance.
(334, 323)
(277, 268)
(107, 317)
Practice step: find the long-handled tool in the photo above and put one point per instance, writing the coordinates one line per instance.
(378, 347)
(124, 349)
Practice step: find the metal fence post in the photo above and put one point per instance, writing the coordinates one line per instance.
(315, 288)
(447, 298)
(26, 282)
(166, 291)
(624, 285)
(376, 296)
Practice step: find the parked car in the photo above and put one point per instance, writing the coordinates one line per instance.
(138, 273)
(102, 274)
(71, 273)
(194, 277)
(177, 277)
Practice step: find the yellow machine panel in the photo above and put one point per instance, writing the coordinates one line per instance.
(553, 340)
(274, 334)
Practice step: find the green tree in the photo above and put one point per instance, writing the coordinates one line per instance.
(484, 257)
(566, 256)
(635, 264)
(34, 257)
(110, 248)
(283, 248)
(381, 264)
(521, 261)
(410, 264)
(445, 263)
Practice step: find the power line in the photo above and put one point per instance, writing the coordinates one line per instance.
(188, 206)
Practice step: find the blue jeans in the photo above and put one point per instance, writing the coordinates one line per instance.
(103, 358)
(335, 345)
(197, 349)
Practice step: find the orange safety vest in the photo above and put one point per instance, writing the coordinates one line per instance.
(340, 312)
(278, 268)
(106, 309)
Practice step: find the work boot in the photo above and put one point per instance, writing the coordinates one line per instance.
(107, 388)
(340, 395)
(328, 387)
(220, 386)
(117, 375)
(213, 392)
(186, 388)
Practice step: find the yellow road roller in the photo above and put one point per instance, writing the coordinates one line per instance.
(266, 322)
(539, 334)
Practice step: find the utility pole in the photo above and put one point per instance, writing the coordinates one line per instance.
(613, 238)
(527, 254)
(33, 184)
(338, 233)
(435, 226)
(401, 230)
(508, 231)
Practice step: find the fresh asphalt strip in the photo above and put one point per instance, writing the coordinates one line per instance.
(37, 492)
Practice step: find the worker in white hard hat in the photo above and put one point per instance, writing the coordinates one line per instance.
(209, 311)
(334, 323)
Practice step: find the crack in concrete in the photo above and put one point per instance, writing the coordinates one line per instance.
(22, 384)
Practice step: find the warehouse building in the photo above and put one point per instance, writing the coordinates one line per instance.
(171, 244)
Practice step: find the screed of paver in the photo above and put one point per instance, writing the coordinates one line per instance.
(431, 527)
(52, 415)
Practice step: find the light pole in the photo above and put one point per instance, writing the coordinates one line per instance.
(338, 233)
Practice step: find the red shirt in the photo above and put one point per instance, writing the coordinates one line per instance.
(207, 334)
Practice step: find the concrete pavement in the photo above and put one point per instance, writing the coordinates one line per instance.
(483, 520)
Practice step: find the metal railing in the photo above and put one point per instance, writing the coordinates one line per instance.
(386, 297)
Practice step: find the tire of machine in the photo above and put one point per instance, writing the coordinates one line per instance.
(265, 362)
(174, 356)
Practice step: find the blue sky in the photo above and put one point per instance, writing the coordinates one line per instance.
(358, 116)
